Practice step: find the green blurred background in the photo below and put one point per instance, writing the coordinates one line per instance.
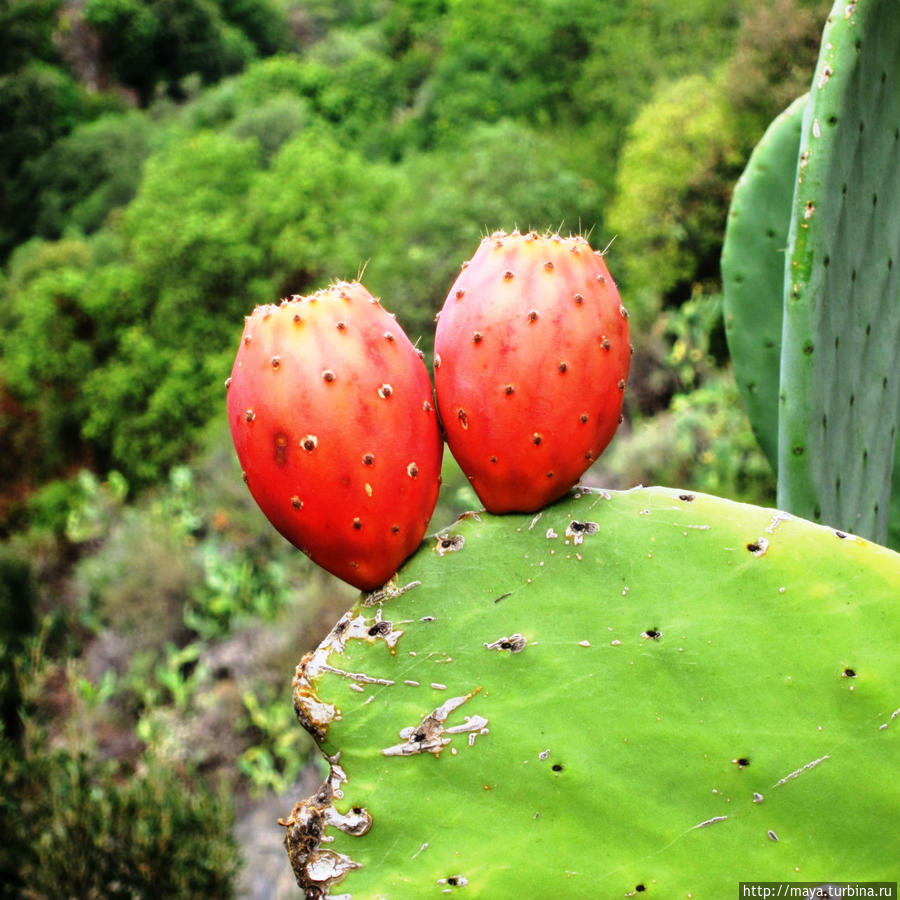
(165, 166)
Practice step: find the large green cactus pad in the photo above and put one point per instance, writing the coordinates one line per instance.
(647, 692)
(753, 252)
(840, 385)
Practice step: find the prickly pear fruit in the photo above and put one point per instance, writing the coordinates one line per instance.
(531, 359)
(331, 412)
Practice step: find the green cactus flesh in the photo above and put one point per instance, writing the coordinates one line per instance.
(753, 271)
(840, 385)
(647, 692)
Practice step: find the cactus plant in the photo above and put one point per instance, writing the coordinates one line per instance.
(840, 386)
(753, 271)
(643, 691)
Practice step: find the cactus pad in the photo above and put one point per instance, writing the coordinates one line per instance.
(840, 385)
(753, 252)
(650, 692)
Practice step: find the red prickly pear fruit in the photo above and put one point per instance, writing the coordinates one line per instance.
(531, 359)
(331, 412)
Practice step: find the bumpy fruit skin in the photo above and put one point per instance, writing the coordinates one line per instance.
(531, 359)
(331, 412)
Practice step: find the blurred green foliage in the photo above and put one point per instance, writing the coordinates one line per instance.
(397, 136)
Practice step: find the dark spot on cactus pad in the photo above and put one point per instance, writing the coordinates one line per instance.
(576, 531)
(758, 547)
(808, 348)
(556, 767)
(463, 419)
(849, 673)
(640, 888)
(741, 762)
(309, 443)
(385, 391)
(688, 498)
(446, 543)
(772, 835)
(515, 643)
(842, 535)
(798, 450)
(652, 634)
(502, 597)
(380, 629)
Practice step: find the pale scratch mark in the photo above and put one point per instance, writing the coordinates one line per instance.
(356, 676)
(389, 592)
(711, 821)
(777, 519)
(797, 772)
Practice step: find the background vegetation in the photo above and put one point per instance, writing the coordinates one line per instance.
(164, 166)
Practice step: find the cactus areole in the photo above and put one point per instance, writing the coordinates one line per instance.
(331, 412)
(531, 359)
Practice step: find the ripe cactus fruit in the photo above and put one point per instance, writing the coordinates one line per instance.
(531, 360)
(331, 412)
